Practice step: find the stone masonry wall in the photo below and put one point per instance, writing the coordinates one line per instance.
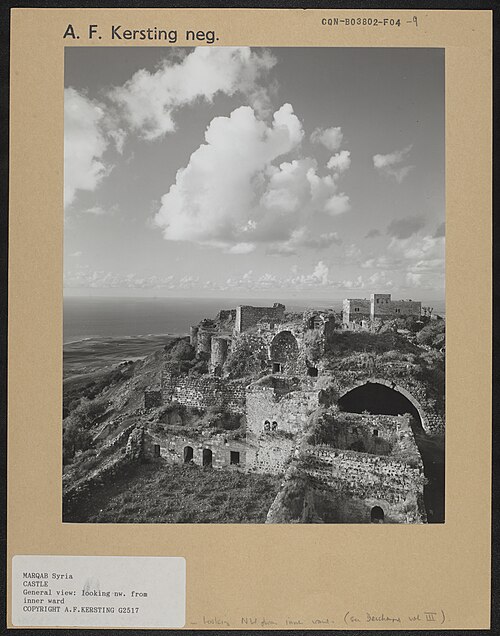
(270, 453)
(248, 316)
(289, 410)
(355, 309)
(203, 392)
(172, 447)
(382, 306)
(356, 482)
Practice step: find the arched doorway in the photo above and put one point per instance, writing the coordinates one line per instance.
(207, 457)
(283, 353)
(188, 454)
(379, 399)
(376, 515)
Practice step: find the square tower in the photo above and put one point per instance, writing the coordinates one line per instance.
(380, 305)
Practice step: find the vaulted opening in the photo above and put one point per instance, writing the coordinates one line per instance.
(207, 457)
(283, 352)
(378, 399)
(188, 454)
(377, 515)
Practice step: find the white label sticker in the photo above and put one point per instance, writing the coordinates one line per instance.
(93, 591)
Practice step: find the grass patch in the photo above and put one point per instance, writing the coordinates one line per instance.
(161, 493)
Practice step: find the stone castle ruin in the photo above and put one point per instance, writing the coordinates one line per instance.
(271, 374)
(357, 311)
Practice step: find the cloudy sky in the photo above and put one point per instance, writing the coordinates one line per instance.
(235, 172)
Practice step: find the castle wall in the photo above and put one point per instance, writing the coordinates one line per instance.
(218, 355)
(270, 454)
(355, 309)
(284, 351)
(204, 339)
(290, 410)
(248, 316)
(193, 336)
(172, 448)
(356, 482)
(399, 378)
(203, 392)
(381, 306)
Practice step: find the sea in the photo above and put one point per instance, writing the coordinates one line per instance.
(99, 331)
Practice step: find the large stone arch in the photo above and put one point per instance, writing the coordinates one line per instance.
(284, 352)
(424, 418)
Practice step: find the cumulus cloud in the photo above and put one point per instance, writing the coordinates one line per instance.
(423, 259)
(331, 138)
(318, 277)
(149, 100)
(393, 164)
(302, 237)
(409, 262)
(384, 261)
(84, 144)
(340, 162)
(99, 210)
(419, 248)
(404, 228)
(84, 277)
(233, 194)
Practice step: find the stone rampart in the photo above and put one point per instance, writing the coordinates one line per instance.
(203, 392)
(248, 316)
(216, 451)
(285, 410)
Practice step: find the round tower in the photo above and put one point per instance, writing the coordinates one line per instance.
(193, 336)
(203, 340)
(218, 354)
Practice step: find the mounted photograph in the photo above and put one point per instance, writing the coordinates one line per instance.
(254, 285)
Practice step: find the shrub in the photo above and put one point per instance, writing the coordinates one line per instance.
(181, 350)
(432, 335)
(314, 345)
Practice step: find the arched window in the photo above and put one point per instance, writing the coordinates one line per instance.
(207, 457)
(274, 426)
(377, 515)
(188, 454)
(267, 425)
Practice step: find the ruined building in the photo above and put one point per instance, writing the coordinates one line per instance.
(378, 307)
(293, 379)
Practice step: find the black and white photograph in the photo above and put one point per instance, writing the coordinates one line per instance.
(254, 285)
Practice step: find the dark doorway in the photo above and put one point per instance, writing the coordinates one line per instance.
(377, 515)
(235, 458)
(379, 399)
(207, 457)
(156, 450)
(277, 367)
(188, 454)
(312, 372)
